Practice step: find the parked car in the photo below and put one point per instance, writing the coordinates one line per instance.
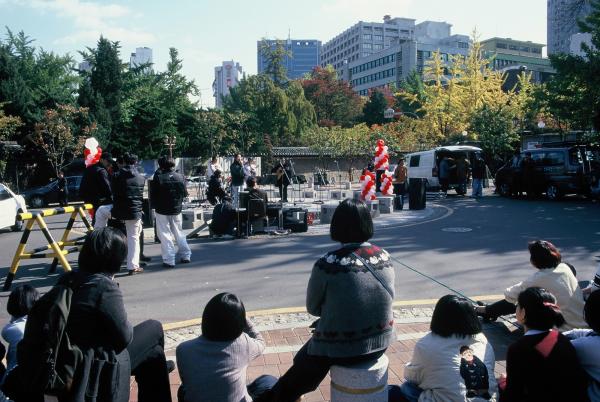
(11, 204)
(39, 197)
(557, 171)
(425, 164)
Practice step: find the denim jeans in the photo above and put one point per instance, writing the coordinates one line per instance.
(477, 190)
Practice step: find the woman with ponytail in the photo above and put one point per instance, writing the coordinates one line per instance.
(542, 365)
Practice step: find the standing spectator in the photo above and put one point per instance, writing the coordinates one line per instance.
(339, 279)
(454, 361)
(528, 171)
(98, 325)
(95, 184)
(213, 166)
(213, 366)
(463, 168)
(128, 194)
(446, 166)
(542, 365)
(479, 174)
(400, 181)
(552, 275)
(249, 169)
(237, 179)
(167, 192)
(587, 345)
(215, 192)
(19, 303)
(63, 189)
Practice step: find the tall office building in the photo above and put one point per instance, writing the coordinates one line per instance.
(304, 53)
(142, 55)
(512, 56)
(227, 76)
(562, 28)
(406, 48)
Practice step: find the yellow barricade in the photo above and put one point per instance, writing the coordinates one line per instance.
(58, 252)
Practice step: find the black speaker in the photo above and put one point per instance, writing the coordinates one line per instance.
(417, 194)
(295, 219)
(244, 197)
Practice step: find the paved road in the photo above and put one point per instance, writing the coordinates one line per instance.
(490, 254)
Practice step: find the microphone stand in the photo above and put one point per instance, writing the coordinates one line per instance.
(298, 181)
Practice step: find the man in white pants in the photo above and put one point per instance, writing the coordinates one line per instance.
(167, 192)
(128, 194)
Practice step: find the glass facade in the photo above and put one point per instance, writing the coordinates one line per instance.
(304, 56)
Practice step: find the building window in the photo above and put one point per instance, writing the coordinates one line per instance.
(500, 45)
(367, 46)
(524, 49)
(366, 54)
(463, 45)
(391, 30)
(366, 28)
(378, 38)
(367, 37)
(377, 46)
(513, 47)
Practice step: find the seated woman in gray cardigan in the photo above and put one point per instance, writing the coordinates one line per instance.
(356, 323)
(213, 366)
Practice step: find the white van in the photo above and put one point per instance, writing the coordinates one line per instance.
(425, 164)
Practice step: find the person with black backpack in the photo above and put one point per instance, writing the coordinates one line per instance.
(79, 345)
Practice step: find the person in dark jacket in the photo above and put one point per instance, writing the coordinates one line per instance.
(237, 178)
(223, 218)
(167, 192)
(283, 175)
(479, 174)
(113, 349)
(128, 193)
(216, 192)
(63, 189)
(95, 184)
(543, 364)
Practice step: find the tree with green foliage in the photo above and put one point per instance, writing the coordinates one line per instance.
(414, 87)
(275, 54)
(374, 108)
(335, 103)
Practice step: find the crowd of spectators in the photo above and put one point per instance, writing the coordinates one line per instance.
(351, 291)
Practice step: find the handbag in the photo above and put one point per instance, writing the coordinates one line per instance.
(375, 274)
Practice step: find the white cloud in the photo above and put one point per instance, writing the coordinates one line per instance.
(92, 19)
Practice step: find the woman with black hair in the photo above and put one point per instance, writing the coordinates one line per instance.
(351, 289)
(587, 344)
(542, 365)
(20, 302)
(551, 274)
(213, 366)
(454, 362)
(113, 350)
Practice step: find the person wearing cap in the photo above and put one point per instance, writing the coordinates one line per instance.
(95, 184)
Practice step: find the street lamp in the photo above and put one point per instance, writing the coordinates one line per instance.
(170, 142)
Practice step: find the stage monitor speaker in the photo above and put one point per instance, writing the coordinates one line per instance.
(417, 194)
(244, 198)
(295, 219)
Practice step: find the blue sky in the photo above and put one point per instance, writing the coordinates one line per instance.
(209, 32)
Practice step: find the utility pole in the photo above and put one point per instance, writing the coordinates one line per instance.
(170, 142)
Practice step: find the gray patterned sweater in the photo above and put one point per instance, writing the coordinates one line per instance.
(354, 308)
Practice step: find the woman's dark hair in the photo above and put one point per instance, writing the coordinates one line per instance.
(591, 311)
(224, 318)
(251, 182)
(544, 254)
(166, 163)
(103, 251)
(351, 222)
(541, 311)
(130, 159)
(454, 315)
(21, 300)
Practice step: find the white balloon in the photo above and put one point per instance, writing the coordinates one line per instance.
(91, 144)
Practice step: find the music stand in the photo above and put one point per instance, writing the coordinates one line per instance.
(298, 181)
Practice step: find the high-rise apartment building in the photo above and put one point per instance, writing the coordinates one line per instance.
(304, 57)
(511, 55)
(562, 20)
(141, 56)
(406, 47)
(227, 76)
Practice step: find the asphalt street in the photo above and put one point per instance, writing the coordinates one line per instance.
(479, 249)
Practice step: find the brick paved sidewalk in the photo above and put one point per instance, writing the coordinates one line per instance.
(282, 344)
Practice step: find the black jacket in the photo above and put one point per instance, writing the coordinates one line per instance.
(215, 192)
(128, 194)
(237, 174)
(223, 219)
(167, 191)
(98, 325)
(95, 186)
(478, 169)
